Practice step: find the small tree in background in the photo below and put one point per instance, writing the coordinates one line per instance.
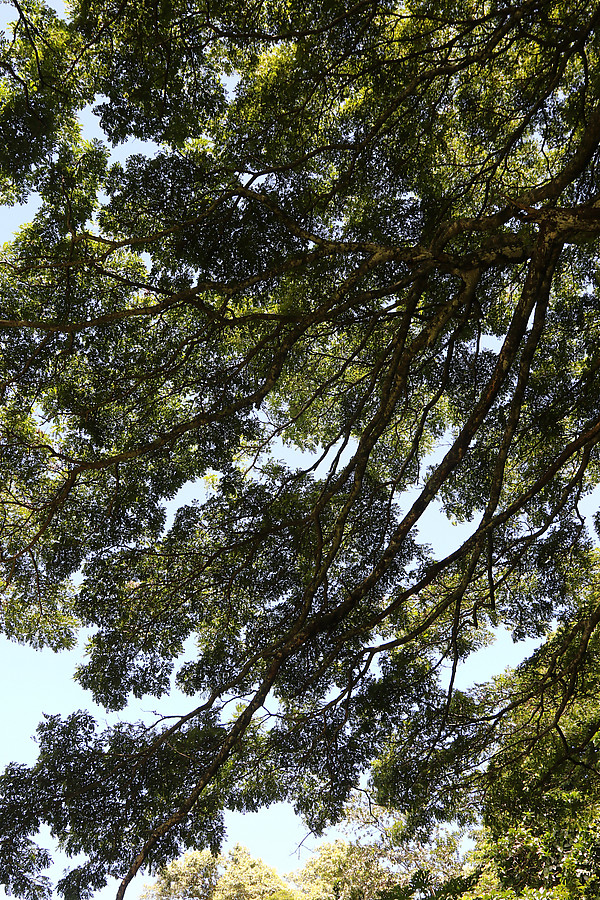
(193, 877)
(247, 878)
(202, 876)
(377, 860)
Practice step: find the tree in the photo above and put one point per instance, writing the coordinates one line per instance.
(378, 860)
(193, 877)
(368, 233)
(542, 809)
(365, 868)
(197, 875)
(539, 791)
(245, 878)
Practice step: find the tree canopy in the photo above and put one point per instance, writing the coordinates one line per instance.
(377, 863)
(363, 239)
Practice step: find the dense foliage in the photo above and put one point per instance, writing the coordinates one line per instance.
(375, 865)
(363, 238)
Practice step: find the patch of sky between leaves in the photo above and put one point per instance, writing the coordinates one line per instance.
(9, 13)
(92, 130)
(504, 651)
(23, 213)
(435, 528)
